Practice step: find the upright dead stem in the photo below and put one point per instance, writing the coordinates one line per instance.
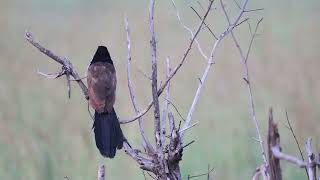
(145, 142)
(246, 73)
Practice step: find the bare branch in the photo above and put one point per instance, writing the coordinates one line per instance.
(296, 140)
(253, 10)
(175, 108)
(188, 144)
(145, 164)
(273, 140)
(101, 172)
(252, 39)
(204, 23)
(145, 142)
(175, 70)
(52, 75)
(203, 174)
(246, 75)
(311, 160)
(165, 106)
(189, 127)
(66, 64)
(155, 97)
(144, 74)
(260, 171)
(189, 30)
(278, 154)
(210, 62)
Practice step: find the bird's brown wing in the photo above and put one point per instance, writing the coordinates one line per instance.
(101, 79)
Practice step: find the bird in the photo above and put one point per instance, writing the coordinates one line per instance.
(102, 81)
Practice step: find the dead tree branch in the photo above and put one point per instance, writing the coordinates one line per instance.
(176, 69)
(101, 172)
(145, 142)
(296, 140)
(165, 106)
(311, 160)
(273, 140)
(280, 155)
(144, 163)
(67, 67)
(246, 74)
(203, 174)
(210, 62)
(157, 126)
(189, 30)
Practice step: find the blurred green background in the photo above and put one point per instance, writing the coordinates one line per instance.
(44, 135)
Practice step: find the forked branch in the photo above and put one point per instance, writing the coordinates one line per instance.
(246, 72)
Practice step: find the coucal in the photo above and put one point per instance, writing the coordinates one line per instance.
(102, 80)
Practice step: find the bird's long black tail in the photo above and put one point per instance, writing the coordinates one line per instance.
(108, 133)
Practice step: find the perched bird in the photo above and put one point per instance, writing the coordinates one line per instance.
(102, 80)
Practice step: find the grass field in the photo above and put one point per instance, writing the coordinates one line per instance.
(44, 135)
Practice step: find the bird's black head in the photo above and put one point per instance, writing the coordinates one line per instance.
(102, 55)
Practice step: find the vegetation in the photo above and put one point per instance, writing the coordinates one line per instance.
(45, 136)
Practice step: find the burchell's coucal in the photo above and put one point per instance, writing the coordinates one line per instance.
(102, 80)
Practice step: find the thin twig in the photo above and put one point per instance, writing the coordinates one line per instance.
(199, 175)
(88, 108)
(252, 39)
(253, 10)
(210, 62)
(189, 30)
(63, 61)
(175, 108)
(188, 144)
(295, 139)
(145, 142)
(200, 5)
(144, 74)
(246, 76)
(207, 26)
(175, 70)
(189, 127)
